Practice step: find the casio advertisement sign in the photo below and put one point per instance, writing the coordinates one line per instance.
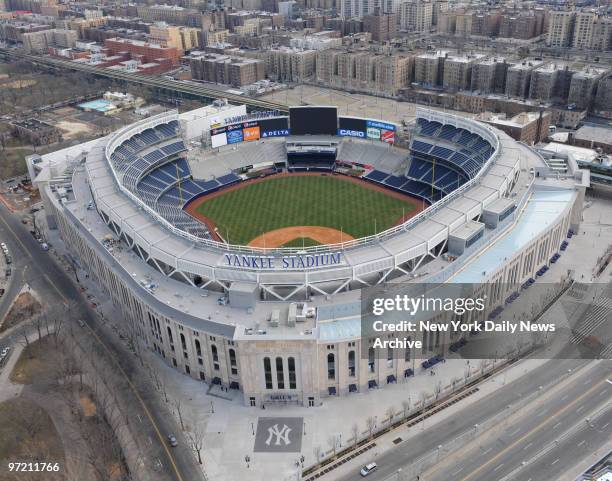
(351, 133)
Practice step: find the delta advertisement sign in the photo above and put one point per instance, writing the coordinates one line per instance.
(366, 129)
(249, 131)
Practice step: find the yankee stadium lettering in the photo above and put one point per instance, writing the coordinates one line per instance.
(300, 261)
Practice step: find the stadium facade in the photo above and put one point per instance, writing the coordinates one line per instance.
(283, 324)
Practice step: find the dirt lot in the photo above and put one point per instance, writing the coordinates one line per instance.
(24, 308)
(27, 433)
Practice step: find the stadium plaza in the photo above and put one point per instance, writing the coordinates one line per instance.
(293, 336)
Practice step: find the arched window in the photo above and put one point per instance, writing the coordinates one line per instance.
(331, 366)
(183, 343)
(268, 372)
(351, 363)
(215, 354)
(280, 376)
(291, 366)
(170, 335)
(232, 356)
(198, 348)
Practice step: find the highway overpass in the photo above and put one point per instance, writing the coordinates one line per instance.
(188, 89)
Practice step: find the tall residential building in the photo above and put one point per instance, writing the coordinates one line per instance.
(457, 73)
(357, 8)
(560, 28)
(416, 15)
(583, 29)
(489, 75)
(364, 71)
(603, 99)
(551, 82)
(223, 69)
(165, 35)
(583, 87)
(172, 14)
(287, 64)
(382, 26)
(429, 68)
(602, 34)
(518, 78)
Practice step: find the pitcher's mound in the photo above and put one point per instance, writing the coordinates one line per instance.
(280, 237)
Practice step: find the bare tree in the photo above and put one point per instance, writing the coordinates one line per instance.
(332, 441)
(406, 407)
(195, 438)
(370, 425)
(355, 433)
(176, 402)
(390, 413)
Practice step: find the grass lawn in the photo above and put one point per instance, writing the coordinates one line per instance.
(301, 242)
(27, 433)
(327, 201)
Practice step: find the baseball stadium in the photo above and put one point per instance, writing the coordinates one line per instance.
(237, 245)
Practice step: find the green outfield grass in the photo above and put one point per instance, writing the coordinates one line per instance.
(245, 213)
(302, 242)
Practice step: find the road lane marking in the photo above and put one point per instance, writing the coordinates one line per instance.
(557, 425)
(579, 409)
(605, 391)
(605, 426)
(564, 397)
(458, 471)
(487, 451)
(533, 430)
(498, 467)
(554, 462)
(514, 432)
(581, 442)
(527, 447)
(608, 381)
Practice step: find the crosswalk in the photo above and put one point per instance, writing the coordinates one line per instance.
(606, 353)
(598, 314)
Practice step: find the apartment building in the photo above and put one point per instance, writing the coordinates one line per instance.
(518, 78)
(40, 41)
(457, 73)
(172, 14)
(602, 34)
(382, 26)
(583, 87)
(560, 28)
(551, 82)
(144, 51)
(489, 75)
(416, 15)
(584, 23)
(429, 68)
(364, 71)
(225, 69)
(286, 64)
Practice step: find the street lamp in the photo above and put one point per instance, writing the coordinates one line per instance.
(253, 428)
(212, 408)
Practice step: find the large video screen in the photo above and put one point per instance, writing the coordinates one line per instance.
(276, 127)
(352, 127)
(313, 120)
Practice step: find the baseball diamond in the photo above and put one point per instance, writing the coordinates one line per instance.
(149, 209)
(352, 208)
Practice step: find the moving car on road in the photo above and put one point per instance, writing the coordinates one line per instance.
(368, 468)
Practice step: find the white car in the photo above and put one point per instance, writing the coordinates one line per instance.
(368, 468)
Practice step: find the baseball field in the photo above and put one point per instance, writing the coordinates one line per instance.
(302, 210)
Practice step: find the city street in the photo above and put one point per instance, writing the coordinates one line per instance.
(36, 267)
(471, 417)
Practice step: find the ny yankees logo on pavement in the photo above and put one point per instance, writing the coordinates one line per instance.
(279, 435)
(282, 435)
